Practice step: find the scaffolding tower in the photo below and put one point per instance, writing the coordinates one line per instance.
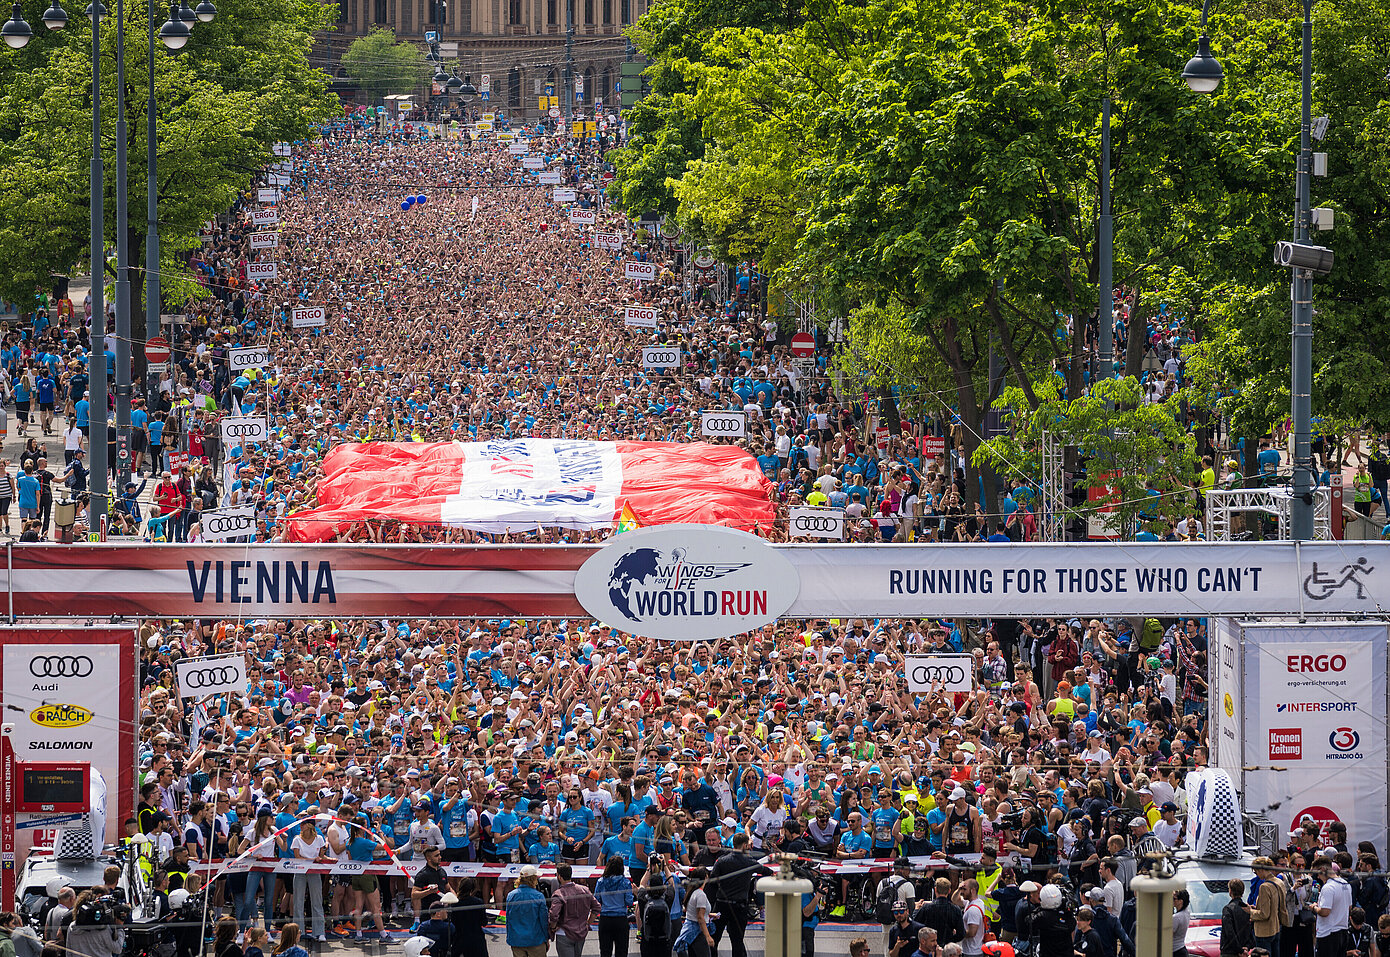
(1275, 501)
(1052, 512)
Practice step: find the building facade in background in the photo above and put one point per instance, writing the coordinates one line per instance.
(518, 44)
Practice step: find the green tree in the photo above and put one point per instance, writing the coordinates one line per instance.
(1142, 456)
(242, 82)
(380, 65)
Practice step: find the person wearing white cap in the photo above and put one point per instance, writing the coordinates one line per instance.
(963, 829)
(528, 917)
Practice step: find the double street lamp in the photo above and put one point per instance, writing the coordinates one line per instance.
(1203, 74)
(174, 34)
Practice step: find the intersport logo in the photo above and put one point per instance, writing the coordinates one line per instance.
(1315, 707)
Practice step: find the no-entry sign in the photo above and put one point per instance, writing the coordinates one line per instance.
(157, 349)
(803, 345)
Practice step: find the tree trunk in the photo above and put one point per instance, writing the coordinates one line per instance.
(1135, 340)
(888, 410)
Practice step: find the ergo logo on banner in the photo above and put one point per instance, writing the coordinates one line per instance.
(686, 582)
(583, 217)
(308, 317)
(642, 272)
(1321, 664)
(261, 271)
(613, 241)
(643, 317)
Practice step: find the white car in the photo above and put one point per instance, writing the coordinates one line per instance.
(1207, 886)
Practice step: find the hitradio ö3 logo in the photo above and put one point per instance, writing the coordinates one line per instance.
(687, 582)
(1344, 739)
(213, 677)
(60, 666)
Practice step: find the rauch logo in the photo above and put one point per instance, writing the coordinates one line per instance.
(686, 582)
(1286, 744)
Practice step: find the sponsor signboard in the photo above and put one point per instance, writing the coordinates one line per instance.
(613, 241)
(583, 217)
(640, 271)
(565, 195)
(806, 521)
(228, 523)
(252, 357)
(238, 430)
(265, 217)
(1314, 733)
(933, 445)
(280, 149)
(533, 162)
(308, 317)
(200, 677)
(264, 195)
(724, 425)
(661, 357)
(952, 674)
(265, 240)
(70, 698)
(643, 317)
(550, 177)
(261, 272)
(278, 179)
(686, 582)
(518, 148)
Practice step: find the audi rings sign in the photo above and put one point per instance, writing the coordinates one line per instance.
(228, 523)
(200, 677)
(254, 357)
(724, 425)
(949, 673)
(809, 522)
(240, 430)
(660, 357)
(70, 697)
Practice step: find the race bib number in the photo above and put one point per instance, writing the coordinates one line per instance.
(458, 828)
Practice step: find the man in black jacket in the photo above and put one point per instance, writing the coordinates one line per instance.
(732, 882)
(942, 916)
(1236, 933)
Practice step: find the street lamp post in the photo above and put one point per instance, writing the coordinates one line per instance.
(174, 34)
(1203, 74)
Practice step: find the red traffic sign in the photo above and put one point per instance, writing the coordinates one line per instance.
(157, 349)
(803, 345)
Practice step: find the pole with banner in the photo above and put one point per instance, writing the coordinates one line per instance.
(7, 819)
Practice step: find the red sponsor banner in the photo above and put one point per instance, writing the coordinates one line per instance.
(932, 446)
(1102, 499)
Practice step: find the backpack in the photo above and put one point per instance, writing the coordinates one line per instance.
(1288, 904)
(885, 897)
(1150, 636)
(656, 919)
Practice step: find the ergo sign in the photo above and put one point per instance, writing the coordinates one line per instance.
(583, 217)
(643, 317)
(1301, 664)
(261, 271)
(642, 272)
(309, 317)
(265, 240)
(612, 241)
(265, 217)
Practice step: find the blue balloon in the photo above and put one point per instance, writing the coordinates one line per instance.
(410, 200)
(405, 205)
(420, 199)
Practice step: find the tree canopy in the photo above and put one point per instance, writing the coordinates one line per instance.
(931, 172)
(381, 65)
(242, 83)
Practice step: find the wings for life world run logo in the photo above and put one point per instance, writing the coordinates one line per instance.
(645, 583)
(687, 582)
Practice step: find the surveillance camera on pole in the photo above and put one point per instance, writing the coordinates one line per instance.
(1316, 259)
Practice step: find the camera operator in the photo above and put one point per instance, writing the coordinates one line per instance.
(96, 929)
(1053, 924)
(732, 878)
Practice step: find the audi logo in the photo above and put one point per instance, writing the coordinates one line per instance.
(252, 358)
(252, 430)
(60, 666)
(728, 425)
(210, 677)
(815, 523)
(932, 674)
(221, 524)
(663, 357)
